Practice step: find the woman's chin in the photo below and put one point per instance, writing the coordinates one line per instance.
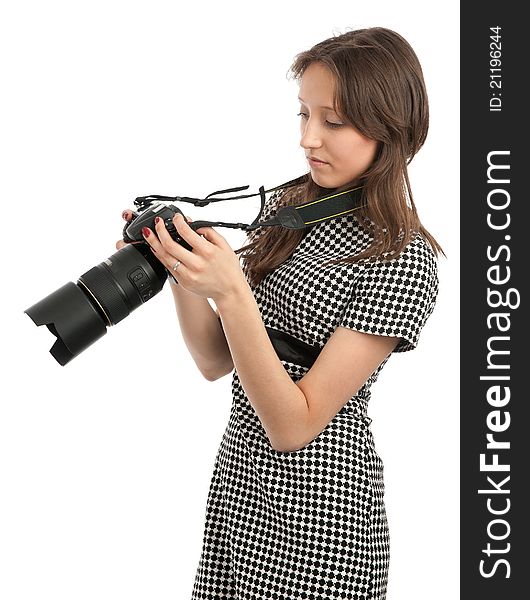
(323, 182)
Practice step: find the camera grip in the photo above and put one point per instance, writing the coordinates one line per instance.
(177, 238)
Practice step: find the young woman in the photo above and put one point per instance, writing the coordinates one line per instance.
(296, 508)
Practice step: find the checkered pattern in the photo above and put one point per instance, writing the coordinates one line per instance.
(311, 524)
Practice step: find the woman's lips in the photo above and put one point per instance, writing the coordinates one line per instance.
(314, 162)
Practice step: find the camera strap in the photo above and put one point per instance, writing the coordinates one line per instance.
(296, 216)
(315, 211)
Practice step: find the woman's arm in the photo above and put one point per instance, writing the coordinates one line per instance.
(293, 414)
(202, 334)
(200, 327)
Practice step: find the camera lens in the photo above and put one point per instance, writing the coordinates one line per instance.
(79, 314)
(125, 280)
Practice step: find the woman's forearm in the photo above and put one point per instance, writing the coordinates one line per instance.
(202, 333)
(279, 403)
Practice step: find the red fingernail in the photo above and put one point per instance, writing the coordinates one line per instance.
(157, 219)
(124, 214)
(145, 232)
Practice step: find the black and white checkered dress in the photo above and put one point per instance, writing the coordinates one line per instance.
(311, 524)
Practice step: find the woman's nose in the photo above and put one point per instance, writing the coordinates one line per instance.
(311, 137)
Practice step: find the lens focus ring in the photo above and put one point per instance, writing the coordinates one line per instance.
(107, 293)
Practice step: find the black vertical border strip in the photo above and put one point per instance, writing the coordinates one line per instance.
(500, 540)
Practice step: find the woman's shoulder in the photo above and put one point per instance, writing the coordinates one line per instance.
(416, 261)
(419, 251)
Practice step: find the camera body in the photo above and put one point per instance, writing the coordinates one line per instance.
(132, 232)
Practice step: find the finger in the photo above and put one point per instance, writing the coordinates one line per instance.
(120, 244)
(127, 215)
(167, 256)
(177, 268)
(151, 239)
(213, 236)
(173, 248)
(187, 233)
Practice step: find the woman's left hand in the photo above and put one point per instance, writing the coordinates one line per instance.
(211, 269)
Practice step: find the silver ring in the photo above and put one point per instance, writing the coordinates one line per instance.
(176, 265)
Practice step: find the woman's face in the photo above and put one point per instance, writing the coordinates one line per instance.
(336, 152)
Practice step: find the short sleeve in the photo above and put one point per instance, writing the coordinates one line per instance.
(395, 298)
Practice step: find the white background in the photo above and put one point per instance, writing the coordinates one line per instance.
(105, 463)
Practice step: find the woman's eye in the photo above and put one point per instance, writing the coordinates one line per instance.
(329, 124)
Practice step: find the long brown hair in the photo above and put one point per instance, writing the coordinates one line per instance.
(380, 90)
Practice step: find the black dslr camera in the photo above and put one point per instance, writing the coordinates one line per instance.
(79, 313)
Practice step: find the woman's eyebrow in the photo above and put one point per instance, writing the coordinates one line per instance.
(328, 107)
